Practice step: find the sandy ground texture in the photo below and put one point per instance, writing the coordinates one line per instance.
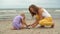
(5, 28)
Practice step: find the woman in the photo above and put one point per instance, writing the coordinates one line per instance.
(43, 18)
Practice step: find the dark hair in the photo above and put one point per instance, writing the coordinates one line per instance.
(35, 8)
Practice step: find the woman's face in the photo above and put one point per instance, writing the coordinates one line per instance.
(32, 10)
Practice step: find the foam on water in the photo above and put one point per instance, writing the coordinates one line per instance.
(9, 14)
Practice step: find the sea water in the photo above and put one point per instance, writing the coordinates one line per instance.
(9, 14)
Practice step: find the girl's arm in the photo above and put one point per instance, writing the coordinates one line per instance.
(23, 21)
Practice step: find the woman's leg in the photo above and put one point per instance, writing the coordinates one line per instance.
(46, 21)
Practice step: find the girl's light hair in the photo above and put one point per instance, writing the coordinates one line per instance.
(22, 13)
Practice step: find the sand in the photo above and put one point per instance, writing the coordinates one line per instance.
(5, 28)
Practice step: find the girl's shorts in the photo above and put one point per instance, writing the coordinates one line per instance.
(16, 25)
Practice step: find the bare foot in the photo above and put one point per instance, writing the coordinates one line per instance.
(13, 29)
(52, 26)
(42, 26)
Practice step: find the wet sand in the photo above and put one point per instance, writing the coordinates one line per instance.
(5, 28)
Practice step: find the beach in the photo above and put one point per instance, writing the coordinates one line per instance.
(6, 16)
(6, 25)
(11, 8)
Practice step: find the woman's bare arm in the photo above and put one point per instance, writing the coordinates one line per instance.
(40, 11)
(35, 23)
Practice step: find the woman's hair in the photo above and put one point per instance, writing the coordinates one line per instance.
(35, 9)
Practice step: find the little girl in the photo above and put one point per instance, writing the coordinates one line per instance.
(19, 22)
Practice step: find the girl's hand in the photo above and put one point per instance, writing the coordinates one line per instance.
(27, 25)
(30, 27)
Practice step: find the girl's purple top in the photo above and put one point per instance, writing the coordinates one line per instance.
(17, 21)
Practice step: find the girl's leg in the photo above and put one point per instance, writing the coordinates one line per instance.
(22, 26)
(13, 28)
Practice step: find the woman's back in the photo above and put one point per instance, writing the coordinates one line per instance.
(45, 13)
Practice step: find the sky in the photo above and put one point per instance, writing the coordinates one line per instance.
(26, 3)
